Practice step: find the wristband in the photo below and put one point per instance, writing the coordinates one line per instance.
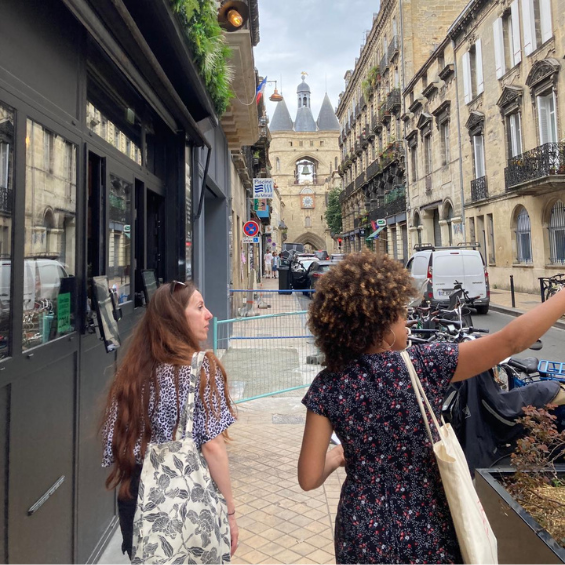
(231, 513)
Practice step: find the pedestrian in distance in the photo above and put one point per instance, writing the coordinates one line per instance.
(268, 264)
(169, 402)
(275, 262)
(393, 507)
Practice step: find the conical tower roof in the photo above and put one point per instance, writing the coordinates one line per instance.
(281, 118)
(327, 120)
(304, 120)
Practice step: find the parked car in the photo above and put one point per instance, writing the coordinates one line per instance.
(317, 270)
(337, 256)
(322, 254)
(435, 270)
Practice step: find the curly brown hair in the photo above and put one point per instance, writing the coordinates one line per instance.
(355, 303)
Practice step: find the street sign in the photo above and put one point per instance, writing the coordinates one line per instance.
(381, 223)
(260, 204)
(250, 240)
(251, 228)
(263, 188)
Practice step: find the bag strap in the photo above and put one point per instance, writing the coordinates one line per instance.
(421, 394)
(187, 415)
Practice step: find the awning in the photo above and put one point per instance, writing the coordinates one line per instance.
(376, 233)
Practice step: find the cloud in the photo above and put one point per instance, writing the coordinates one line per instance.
(320, 38)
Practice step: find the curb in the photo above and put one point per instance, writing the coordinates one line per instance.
(560, 324)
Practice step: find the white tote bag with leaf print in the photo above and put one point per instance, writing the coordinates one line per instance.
(181, 516)
(474, 534)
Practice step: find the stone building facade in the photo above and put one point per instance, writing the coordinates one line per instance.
(511, 98)
(372, 151)
(432, 134)
(304, 155)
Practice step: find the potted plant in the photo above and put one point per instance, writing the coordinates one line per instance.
(525, 503)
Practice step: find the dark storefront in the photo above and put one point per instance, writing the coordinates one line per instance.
(101, 166)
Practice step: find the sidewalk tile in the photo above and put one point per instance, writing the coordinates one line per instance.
(321, 556)
(289, 556)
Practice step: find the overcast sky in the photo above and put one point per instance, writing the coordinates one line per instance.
(319, 37)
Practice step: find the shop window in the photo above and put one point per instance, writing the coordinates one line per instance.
(107, 130)
(7, 120)
(50, 236)
(119, 233)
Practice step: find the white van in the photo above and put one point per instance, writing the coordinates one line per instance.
(435, 270)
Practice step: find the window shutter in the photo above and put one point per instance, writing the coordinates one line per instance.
(479, 156)
(512, 123)
(545, 20)
(529, 23)
(543, 116)
(479, 69)
(466, 60)
(518, 133)
(516, 47)
(498, 47)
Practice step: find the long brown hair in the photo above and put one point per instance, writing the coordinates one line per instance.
(163, 336)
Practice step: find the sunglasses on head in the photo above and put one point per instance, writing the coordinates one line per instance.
(175, 285)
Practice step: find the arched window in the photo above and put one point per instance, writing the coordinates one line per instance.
(523, 237)
(307, 222)
(557, 234)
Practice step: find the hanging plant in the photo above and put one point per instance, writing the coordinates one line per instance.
(208, 47)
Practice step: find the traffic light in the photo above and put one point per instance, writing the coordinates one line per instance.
(339, 240)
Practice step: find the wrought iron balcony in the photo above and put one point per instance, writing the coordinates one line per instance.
(393, 100)
(360, 180)
(392, 153)
(393, 48)
(396, 206)
(373, 169)
(396, 193)
(376, 122)
(543, 161)
(6, 205)
(358, 148)
(348, 129)
(479, 189)
(349, 189)
(384, 63)
(342, 196)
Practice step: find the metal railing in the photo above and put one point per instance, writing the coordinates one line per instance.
(373, 169)
(384, 63)
(6, 205)
(479, 189)
(392, 153)
(360, 181)
(396, 193)
(349, 189)
(547, 159)
(393, 100)
(393, 48)
(394, 207)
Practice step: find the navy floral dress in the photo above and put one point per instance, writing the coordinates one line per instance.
(392, 507)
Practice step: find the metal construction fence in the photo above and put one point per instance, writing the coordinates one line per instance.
(267, 354)
(255, 302)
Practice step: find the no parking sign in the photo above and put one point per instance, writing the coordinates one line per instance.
(251, 228)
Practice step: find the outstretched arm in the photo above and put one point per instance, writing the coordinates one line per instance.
(316, 463)
(481, 354)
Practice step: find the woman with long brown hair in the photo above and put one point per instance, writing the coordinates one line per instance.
(148, 396)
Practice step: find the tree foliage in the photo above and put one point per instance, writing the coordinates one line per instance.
(333, 211)
(209, 49)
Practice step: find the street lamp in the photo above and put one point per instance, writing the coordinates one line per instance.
(233, 14)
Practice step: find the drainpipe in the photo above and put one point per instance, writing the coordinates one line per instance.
(459, 143)
(407, 184)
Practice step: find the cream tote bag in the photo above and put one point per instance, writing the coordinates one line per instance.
(181, 516)
(474, 534)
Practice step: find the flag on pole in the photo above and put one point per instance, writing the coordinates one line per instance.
(260, 89)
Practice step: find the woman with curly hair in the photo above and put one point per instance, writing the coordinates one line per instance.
(145, 404)
(392, 507)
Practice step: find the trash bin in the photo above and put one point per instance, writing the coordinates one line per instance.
(284, 279)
